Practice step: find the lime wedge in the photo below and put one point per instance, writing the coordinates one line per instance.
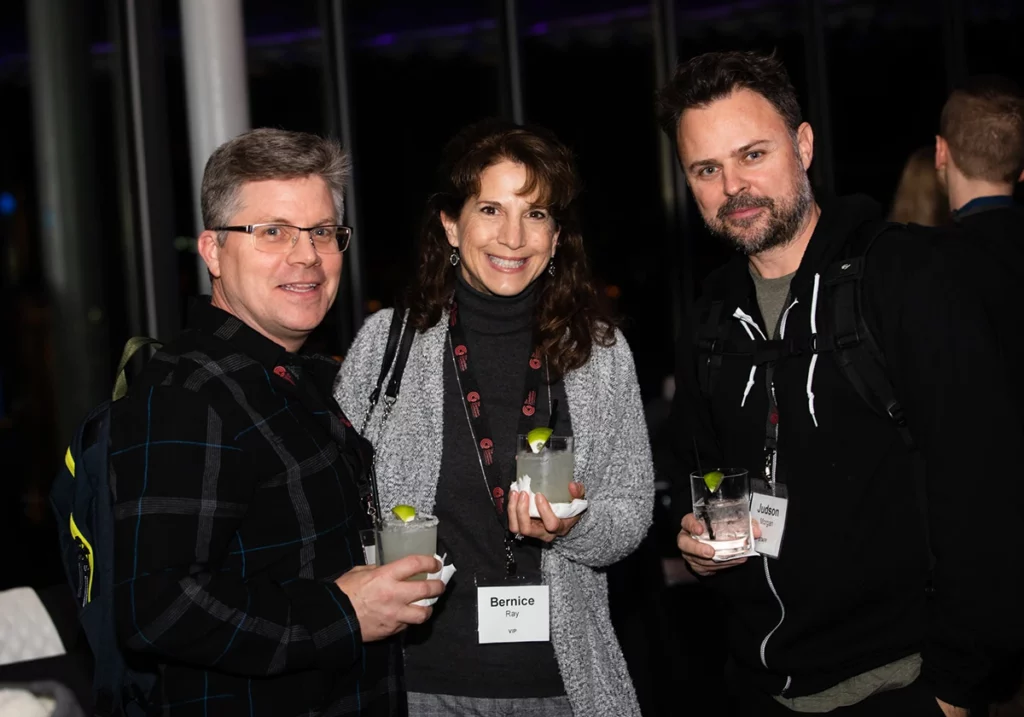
(713, 479)
(404, 513)
(537, 438)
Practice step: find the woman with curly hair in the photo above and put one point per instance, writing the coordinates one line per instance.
(509, 333)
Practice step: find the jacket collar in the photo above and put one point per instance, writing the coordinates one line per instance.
(841, 218)
(206, 318)
(983, 204)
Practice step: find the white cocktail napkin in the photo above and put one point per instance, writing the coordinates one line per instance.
(444, 575)
(561, 510)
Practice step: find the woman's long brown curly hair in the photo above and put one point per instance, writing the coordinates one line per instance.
(571, 315)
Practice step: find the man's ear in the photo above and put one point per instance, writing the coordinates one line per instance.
(941, 153)
(209, 248)
(805, 144)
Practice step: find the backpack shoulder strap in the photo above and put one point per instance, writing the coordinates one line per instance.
(390, 349)
(710, 337)
(856, 351)
(131, 347)
(396, 353)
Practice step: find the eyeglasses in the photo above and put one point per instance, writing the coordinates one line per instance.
(280, 238)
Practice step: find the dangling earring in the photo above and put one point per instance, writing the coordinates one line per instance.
(454, 258)
(551, 267)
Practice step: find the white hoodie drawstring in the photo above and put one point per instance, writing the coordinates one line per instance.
(747, 321)
(814, 357)
(785, 316)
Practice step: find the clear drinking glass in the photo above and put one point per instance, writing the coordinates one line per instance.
(399, 538)
(724, 511)
(550, 470)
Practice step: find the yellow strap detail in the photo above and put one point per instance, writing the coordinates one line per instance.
(131, 346)
(76, 533)
(69, 462)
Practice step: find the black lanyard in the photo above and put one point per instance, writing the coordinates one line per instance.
(480, 428)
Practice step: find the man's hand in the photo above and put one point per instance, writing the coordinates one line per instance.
(549, 526)
(383, 596)
(697, 554)
(951, 711)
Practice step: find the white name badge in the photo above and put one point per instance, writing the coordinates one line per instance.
(768, 505)
(513, 613)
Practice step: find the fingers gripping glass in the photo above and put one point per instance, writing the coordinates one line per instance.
(280, 238)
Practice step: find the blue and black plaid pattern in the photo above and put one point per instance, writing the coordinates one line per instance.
(238, 487)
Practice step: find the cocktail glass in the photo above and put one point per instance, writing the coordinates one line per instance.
(550, 469)
(399, 538)
(721, 502)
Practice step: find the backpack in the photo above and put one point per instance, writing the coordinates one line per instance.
(846, 336)
(83, 504)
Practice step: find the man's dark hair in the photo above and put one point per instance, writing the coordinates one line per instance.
(715, 75)
(983, 124)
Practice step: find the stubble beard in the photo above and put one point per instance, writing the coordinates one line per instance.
(785, 218)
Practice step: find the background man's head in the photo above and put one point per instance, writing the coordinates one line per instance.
(981, 133)
(743, 146)
(273, 176)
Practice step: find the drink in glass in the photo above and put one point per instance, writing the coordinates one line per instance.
(721, 502)
(399, 538)
(550, 469)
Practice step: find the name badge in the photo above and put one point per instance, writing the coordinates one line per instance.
(513, 613)
(768, 505)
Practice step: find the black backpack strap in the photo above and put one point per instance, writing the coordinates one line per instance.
(710, 340)
(394, 333)
(856, 352)
(391, 394)
(396, 353)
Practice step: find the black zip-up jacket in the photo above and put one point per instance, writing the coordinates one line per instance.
(848, 591)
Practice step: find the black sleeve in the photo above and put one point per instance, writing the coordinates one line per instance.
(948, 373)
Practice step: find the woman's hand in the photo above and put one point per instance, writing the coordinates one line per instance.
(549, 526)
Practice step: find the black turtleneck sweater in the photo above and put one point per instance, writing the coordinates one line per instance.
(443, 656)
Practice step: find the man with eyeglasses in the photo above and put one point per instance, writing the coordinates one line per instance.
(240, 486)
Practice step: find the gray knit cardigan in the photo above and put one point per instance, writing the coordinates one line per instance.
(613, 461)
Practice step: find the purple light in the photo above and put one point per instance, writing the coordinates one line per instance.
(709, 13)
(388, 38)
(284, 38)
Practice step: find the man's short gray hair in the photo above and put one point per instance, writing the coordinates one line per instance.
(262, 154)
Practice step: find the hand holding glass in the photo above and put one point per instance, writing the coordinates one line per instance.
(721, 502)
(399, 538)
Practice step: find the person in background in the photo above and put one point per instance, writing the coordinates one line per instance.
(920, 198)
(511, 334)
(979, 159)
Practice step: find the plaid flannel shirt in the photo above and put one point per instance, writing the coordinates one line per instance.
(237, 504)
